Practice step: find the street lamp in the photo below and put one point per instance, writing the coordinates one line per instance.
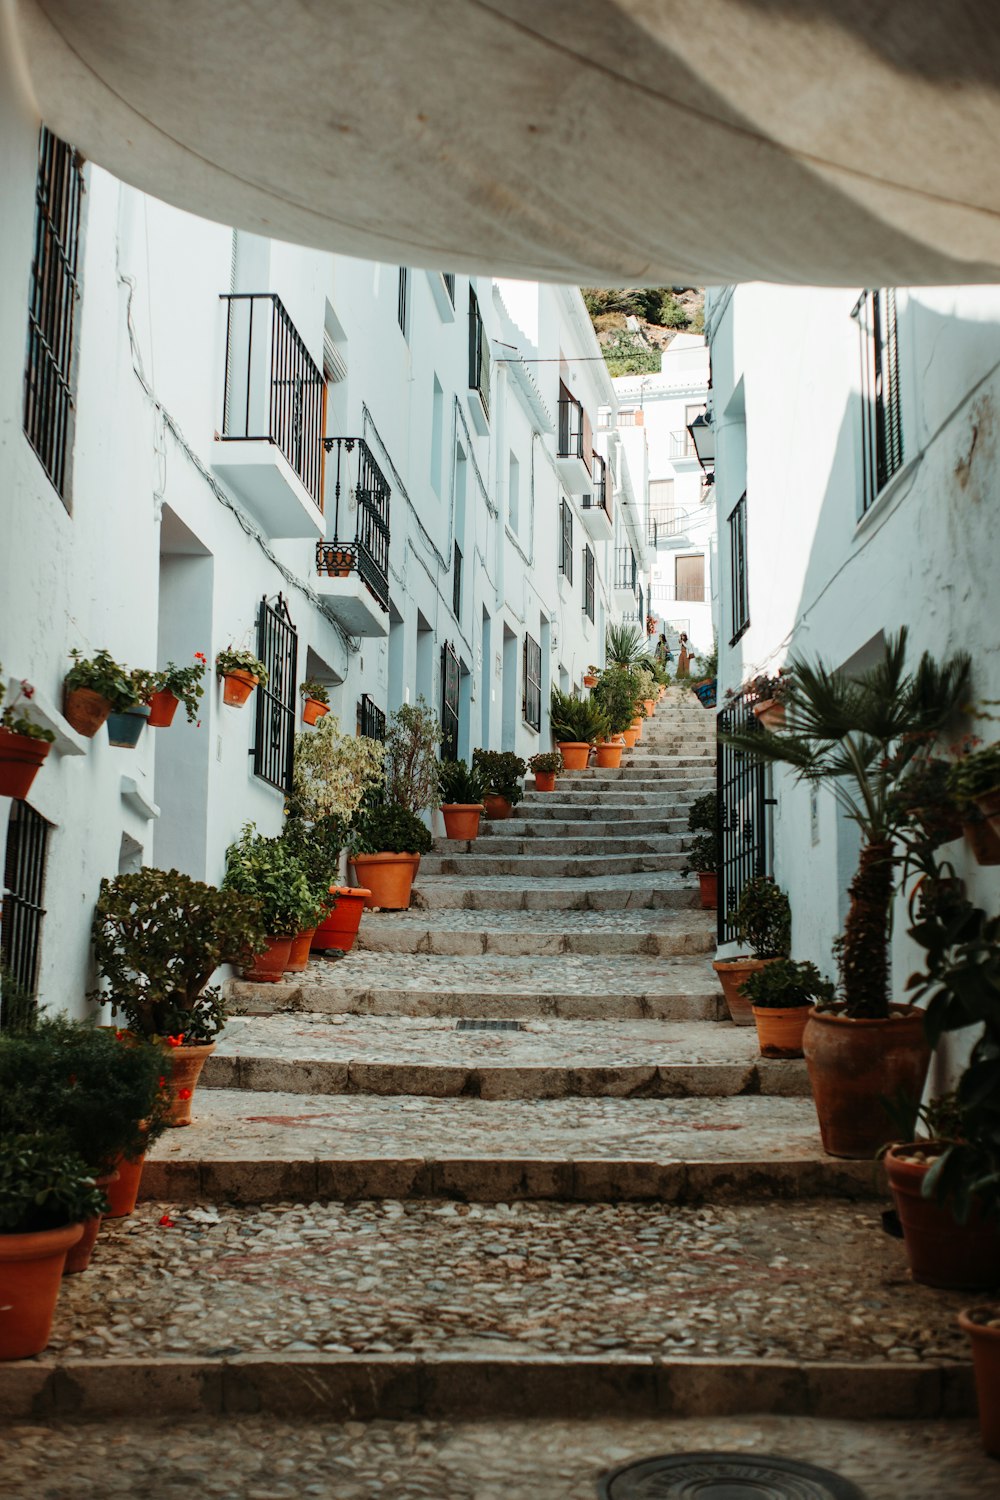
(703, 437)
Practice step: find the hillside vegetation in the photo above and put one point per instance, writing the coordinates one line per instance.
(635, 324)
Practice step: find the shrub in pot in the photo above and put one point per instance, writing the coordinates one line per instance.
(616, 695)
(763, 920)
(462, 788)
(386, 842)
(46, 1194)
(974, 783)
(781, 995)
(315, 697)
(91, 688)
(859, 735)
(172, 686)
(130, 709)
(268, 872)
(316, 847)
(413, 736)
(576, 724)
(23, 743)
(501, 771)
(241, 671)
(703, 852)
(332, 773)
(546, 766)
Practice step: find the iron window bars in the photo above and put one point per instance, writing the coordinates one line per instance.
(371, 719)
(566, 540)
(738, 568)
(450, 678)
(456, 582)
(570, 424)
(626, 571)
(599, 498)
(479, 354)
(22, 912)
(403, 306)
(55, 289)
(588, 583)
(881, 424)
(274, 391)
(531, 701)
(742, 819)
(449, 285)
(274, 740)
(368, 553)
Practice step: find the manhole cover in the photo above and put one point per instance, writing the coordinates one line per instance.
(488, 1026)
(725, 1476)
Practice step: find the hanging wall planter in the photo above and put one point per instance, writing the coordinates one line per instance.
(125, 728)
(313, 710)
(21, 757)
(237, 687)
(770, 713)
(162, 707)
(85, 711)
(589, 680)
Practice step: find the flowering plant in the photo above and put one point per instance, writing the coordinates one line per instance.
(318, 691)
(102, 674)
(186, 683)
(19, 723)
(231, 660)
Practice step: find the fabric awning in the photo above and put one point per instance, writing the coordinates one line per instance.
(614, 142)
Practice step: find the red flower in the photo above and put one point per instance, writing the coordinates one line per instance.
(200, 656)
(162, 1082)
(176, 1041)
(166, 1221)
(183, 1093)
(27, 689)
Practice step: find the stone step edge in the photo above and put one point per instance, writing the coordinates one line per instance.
(404, 1386)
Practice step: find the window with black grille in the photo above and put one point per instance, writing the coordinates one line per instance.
(588, 583)
(456, 582)
(479, 354)
(881, 423)
(22, 912)
(278, 649)
(49, 372)
(449, 285)
(566, 539)
(403, 308)
(450, 679)
(739, 599)
(371, 719)
(531, 700)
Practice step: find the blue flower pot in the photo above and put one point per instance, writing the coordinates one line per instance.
(125, 728)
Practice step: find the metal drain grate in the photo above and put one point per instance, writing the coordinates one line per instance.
(488, 1026)
(725, 1476)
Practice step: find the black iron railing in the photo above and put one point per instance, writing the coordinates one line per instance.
(278, 649)
(479, 354)
(588, 583)
(599, 498)
(741, 811)
(451, 674)
(371, 719)
(570, 427)
(566, 540)
(22, 911)
(274, 391)
(531, 698)
(367, 552)
(626, 570)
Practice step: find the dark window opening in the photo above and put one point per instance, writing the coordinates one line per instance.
(881, 424)
(738, 569)
(403, 307)
(588, 583)
(277, 647)
(22, 911)
(566, 540)
(531, 701)
(456, 583)
(450, 677)
(371, 719)
(449, 285)
(479, 354)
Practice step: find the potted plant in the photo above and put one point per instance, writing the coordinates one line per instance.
(158, 938)
(982, 1324)
(130, 709)
(386, 842)
(462, 788)
(763, 920)
(781, 995)
(336, 562)
(576, 724)
(859, 734)
(91, 688)
(624, 645)
(703, 853)
(316, 846)
(241, 672)
(974, 783)
(413, 737)
(23, 744)
(501, 771)
(616, 694)
(46, 1193)
(924, 795)
(590, 676)
(174, 685)
(315, 700)
(772, 695)
(268, 872)
(546, 765)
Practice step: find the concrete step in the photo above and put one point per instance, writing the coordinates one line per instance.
(526, 866)
(582, 806)
(248, 1147)
(601, 893)
(583, 784)
(516, 934)
(650, 823)
(501, 843)
(316, 1054)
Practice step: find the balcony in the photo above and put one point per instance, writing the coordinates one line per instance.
(682, 446)
(596, 507)
(626, 590)
(666, 529)
(270, 449)
(352, 568)
(572, 443)
(677, 593)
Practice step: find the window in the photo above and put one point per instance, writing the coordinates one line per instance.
(738, 568)
(371, 719)
(22, 911)
(588, 583)
(437, 434)
(403, 305)
(531, 702)
(513, 492)
(626, 571)
(456, 583)
(881, 426)
(449, 285)
(664, 514)
(630, 417)
(277, 647)
(566, 540)
(479, 354)
(49, 376)
(450, 677)
(689, 578)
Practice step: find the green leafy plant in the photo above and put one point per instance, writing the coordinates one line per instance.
(332, 773)
(976, 774)
(143, 684)
(102, 674)
(317, 848)
(785, 984)
(703, 814)
(624, 645)
(19, 723)
(158, 938)
(268, 872)
(412, 738)
(318, 691)
(546, 761)
(616, 694)
(231, 660)
(859, 734)
(501, 771)
(626, 355)
(44, 1186)
(710, 659)
(701, 855)
(763, 918)
(186, 683)
(458, 782)
(576, 720)
(388, 828)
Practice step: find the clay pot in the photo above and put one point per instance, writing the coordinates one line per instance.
(298, 952)
(575, 754)
(609, 755)
(708, 882)
(780, 1028)
(771, 713)
(186, 1065)
(984, 840)
(985, 1342)
(732, 973)
(854, 1065)
(589, 680)
(162, 707)
(630, 736)
(268, 967)
(461, 819)
(337, 562)
(78, 1255)
(497, 808)
(650, 704)
(123, 1190)
(989, 806)
(125, 728)
(636, 725)
(941, 1251)
(940, 823)
(237, 687)
(85, 711)
(21, 759)
(389, 878)
(31, 1267)
(341, 927)
(545, 781)
(313, 710)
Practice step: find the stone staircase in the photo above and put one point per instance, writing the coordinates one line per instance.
(510, 1158)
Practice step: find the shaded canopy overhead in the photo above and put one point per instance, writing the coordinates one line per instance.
(599, 142)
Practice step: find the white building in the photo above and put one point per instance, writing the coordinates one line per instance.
(165, 490)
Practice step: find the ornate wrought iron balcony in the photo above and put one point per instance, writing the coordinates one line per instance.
(360, 550)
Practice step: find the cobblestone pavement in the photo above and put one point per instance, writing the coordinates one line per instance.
(569, 974)
(258, 1458)
(800, 1281)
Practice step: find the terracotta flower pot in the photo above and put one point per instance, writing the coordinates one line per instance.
(636, 726)
(708, 882)
(983, 839)
(650, 704)
(85, 711)
(21, 759)
(609, 755)
(771, 713)
(545, 781)
(497, 808)
(298, 952)
(733, 972)
(123, 1190)
(389, 878)
(341, 927)
(78, 1255)
(125, 728)
(575, 754)
(630, 736)
(941, 1251)
(982, 1324)
(780, 1028)
(589, 680)
(854, 1065)
(989, 806)
(186, 1065)
(313, 710)
(237, 687)
(268, 967)
(31, 1267)
(162, 707)
(461, 819)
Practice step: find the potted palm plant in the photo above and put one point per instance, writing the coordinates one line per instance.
(23, 743)
(268, 872)
(92, 686)
(859, 735)
(576, 723)
(546, 766)
(763, 920)
(462, 788)
(315, 697)
(615, 694)
(501, 771)
(624, 645)
(781, 995)
(174, 685)
(703, 852)
(241, 672)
